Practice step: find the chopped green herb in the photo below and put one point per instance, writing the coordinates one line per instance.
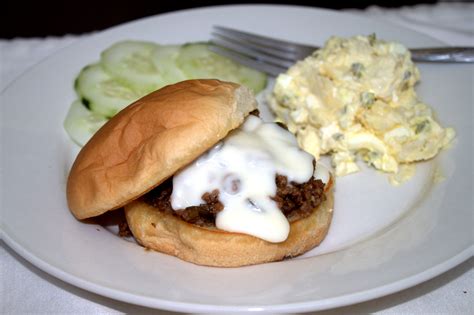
(367, 99)
(338, 136)
(357, 68)
(344, 110)
(406, 75)
(369, 156)
(372, 38)
(405, 86)
(285, 100)
(422, 126)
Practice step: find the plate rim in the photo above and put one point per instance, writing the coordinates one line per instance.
(115, 294)
(318, 305)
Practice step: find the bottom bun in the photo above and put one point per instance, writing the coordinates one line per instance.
(171, 235)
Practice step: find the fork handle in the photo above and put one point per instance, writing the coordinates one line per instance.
(443, 54)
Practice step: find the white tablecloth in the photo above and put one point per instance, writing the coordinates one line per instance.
(26, 289)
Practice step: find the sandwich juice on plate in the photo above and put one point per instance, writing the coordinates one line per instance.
(203, 179)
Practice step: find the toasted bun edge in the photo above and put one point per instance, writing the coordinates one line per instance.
(171, 235)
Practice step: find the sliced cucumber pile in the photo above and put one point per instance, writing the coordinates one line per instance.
(129, 70)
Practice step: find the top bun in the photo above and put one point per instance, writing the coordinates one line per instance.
(150, 140)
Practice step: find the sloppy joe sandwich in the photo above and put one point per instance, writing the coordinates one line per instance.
(202, 178)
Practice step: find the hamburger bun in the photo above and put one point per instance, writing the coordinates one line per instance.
(151, 139)
(171, 235)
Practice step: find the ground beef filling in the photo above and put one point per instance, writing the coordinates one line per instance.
(296, 201)
(124, 230)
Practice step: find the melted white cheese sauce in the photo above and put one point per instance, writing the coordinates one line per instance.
(243, 167)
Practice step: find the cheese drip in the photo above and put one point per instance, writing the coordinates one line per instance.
(243, 168)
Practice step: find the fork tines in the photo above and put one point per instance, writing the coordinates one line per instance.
(266, 54)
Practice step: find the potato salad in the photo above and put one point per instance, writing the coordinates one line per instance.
(355, 99)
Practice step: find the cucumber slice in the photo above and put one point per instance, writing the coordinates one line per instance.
(198, 62)
(164, 58)
(251, 78)
(101, 92)
(131, 63)
(81, 123)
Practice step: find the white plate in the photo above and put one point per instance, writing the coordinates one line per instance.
(383, 239)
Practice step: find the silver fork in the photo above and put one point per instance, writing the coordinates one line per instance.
(274, 56)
